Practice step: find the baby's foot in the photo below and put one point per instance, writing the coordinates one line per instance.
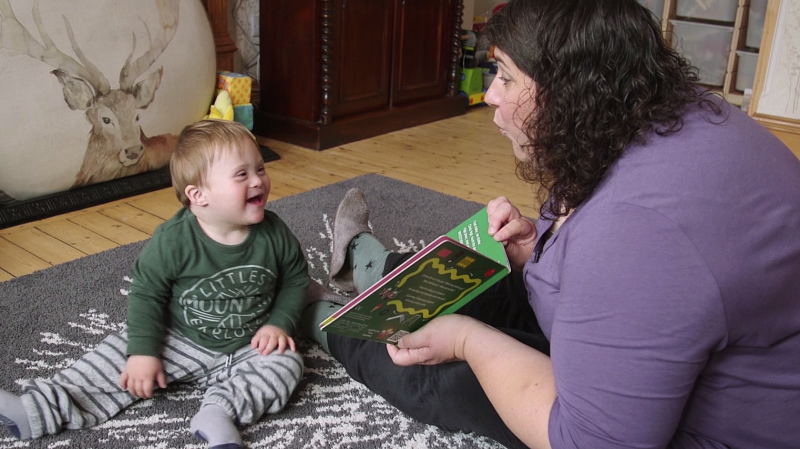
(213, 425)
(13, 416)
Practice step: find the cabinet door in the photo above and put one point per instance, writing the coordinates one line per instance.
(361, 57)
(422, 36)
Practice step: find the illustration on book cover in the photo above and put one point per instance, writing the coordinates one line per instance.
(438, 280)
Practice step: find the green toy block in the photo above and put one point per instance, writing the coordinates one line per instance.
(471, 80)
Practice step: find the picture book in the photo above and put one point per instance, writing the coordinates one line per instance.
(438, 280)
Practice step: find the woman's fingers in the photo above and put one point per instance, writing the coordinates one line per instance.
(519, 229)
(500, 212)
(436, 342)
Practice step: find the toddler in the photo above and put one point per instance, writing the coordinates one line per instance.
(216, 294)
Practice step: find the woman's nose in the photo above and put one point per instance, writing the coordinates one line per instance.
(492, 97)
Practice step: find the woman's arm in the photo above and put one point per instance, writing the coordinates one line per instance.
(517, 379)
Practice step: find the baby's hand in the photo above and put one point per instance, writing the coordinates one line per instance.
(270, 337)
(140, 375)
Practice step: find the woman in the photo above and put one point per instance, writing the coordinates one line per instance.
(664, 270)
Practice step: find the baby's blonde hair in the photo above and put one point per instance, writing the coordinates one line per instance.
(198, 145)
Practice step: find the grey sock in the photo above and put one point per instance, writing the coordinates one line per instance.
(213, 424)
(13, 415)
(367, 256)
(312, 316)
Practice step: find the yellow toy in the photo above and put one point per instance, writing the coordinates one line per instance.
(238, 85)
(222, 107)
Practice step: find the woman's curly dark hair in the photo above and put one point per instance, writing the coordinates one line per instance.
(604, 77)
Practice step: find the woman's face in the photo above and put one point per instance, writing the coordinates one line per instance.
(511, 93)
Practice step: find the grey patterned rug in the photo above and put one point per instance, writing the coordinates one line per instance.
(50, 318)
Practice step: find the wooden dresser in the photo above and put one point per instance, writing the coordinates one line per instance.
(337, 71)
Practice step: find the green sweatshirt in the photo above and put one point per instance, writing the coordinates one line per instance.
(216, 295)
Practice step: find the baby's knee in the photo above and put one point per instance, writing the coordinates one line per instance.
(287, 364)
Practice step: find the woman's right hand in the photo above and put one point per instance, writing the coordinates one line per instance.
(517, 233)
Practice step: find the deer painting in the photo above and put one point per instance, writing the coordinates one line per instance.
(117, 145)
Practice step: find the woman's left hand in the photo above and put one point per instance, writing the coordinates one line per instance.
(441, 340)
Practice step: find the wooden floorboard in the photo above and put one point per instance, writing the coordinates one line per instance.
(113, 230)
(76, 236)
(44, 246)
(161, 203)
(17, 261)
(463, 156)
(133, 217)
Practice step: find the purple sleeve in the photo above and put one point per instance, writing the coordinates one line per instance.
(638, 315)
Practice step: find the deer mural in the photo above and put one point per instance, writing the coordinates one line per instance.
(117, 145)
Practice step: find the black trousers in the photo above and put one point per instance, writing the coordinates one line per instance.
(447, 395)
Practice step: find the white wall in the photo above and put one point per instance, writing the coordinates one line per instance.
(469, 12)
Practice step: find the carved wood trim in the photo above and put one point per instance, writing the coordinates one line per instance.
(327, 54)
(225, 46)
(455, 46)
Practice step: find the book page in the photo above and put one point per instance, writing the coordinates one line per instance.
(474, 233)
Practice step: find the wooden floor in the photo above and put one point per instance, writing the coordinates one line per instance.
(464, 156)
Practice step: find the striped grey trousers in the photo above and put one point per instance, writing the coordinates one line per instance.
(244, 383)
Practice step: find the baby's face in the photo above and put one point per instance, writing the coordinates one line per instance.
(237, 186)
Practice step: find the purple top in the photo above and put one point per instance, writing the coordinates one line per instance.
(671, 296)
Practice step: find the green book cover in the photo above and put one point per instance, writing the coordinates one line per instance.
(438, 280)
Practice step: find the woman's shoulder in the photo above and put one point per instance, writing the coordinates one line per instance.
(723, 155)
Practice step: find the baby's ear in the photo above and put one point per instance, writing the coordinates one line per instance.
(195, 195)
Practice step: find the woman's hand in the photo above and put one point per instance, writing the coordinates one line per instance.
(142, 373)
(441, 340)
(517, 379)
(517, 233)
